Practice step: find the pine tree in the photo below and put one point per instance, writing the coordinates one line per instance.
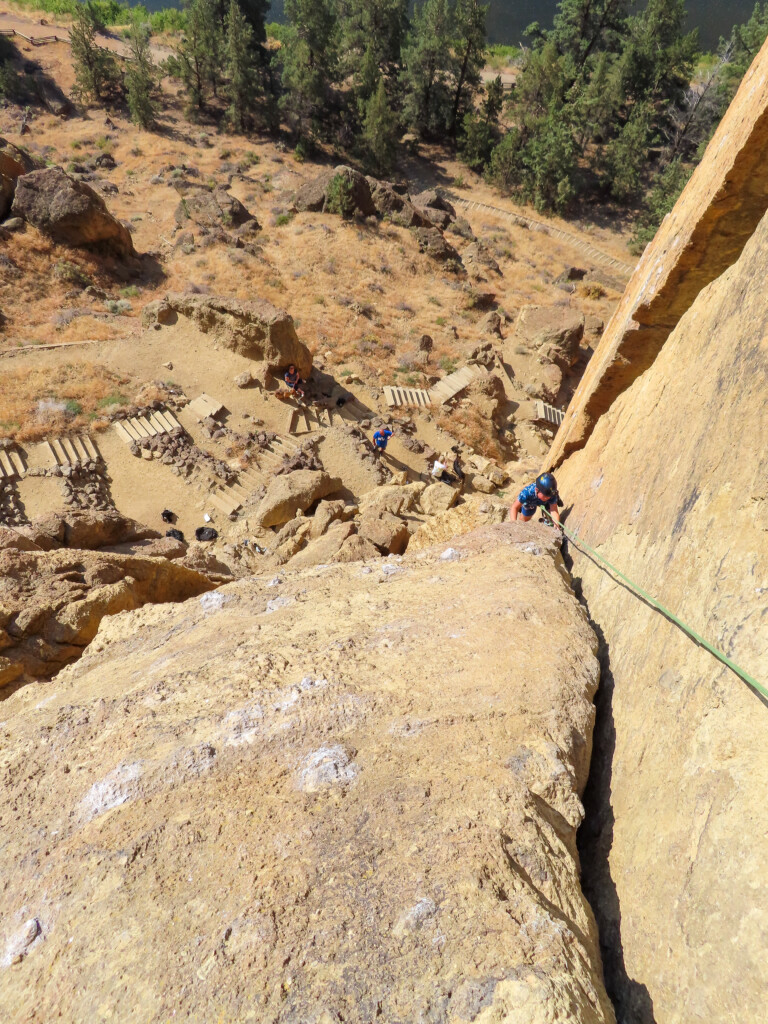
(140, 76)
(468, 52)
(427, 59)
(481, 128)
(381, 130)
(310, 57)
(241, 79)
(372, 36)
(96, 73)
(198, 58)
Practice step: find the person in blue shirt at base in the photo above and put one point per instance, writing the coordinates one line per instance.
(380, 439)
(542, 493)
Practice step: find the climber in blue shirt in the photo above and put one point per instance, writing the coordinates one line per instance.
(380, 439)
(542, 493)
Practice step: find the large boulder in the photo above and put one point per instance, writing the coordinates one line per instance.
(433, 199)
(432, 242)
(294, 492)
(51, 603)
(257, 330)
(555, 332)
(343, 190)
(14, 162)
(356, 549)
(213, 208)
(87, 529)
(389, 533)
(322, 550)
(393, 498)
(395, 207)
(69, 212)
(438, 497)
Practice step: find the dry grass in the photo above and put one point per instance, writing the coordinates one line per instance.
(467, 424)
(35, 403)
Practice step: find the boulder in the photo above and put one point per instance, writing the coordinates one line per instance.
(15, 161)
(311, 195)
(477, 256)
(69, 212)
(389, 533)
(257, 330)
(213, 208)
(244, 379)
(161, 547)
(87, 529)
(545, 381)
(392, 498)
(356, 549)
(432, 242)
(288, 546)
(487, 394)
(324, 549)
(394, 206)
(328, 512)
(438, 497)
(13, 540)
(286, 495)
(554, 331)
(483, 484)
(51, 603)
(51, 96)
(7, 188)
(433, 199)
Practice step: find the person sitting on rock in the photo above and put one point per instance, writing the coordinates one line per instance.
(440, 469)
(381, 439)
(542, 493)
(294, 381)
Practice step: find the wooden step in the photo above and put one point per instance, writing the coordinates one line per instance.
(160, 425)
(122, 432)
(151, 430)
(549, 413)
(204, 406)
(18, 463)
(6, 465)
(80, 453)
(72, 456)
(90, 446)
(171, 420)
(138, 426)
(47, 445)
(61, 456)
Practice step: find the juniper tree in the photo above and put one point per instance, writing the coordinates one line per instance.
(468, 56)
(381, 130)
(140, 74)
(310, 58)
(425, 79)
(97, 76)
(198, 57)
(241, 86)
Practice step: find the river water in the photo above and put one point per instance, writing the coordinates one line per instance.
(507, 19)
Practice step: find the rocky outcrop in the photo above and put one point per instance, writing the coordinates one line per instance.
(394, 206)
(555, 332)
(69, 211)
(433, 243)
(672, 488)
(51, 603)
(213, 208)
(294, 492)
(705, 233)
(257, 330)
(88, 529)
(342, 190)
(14, 162)
(302, 799)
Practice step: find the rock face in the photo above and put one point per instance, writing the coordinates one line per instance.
(13, 162)
(257, 330)
(396, 207)
(705, 233)
(309, 801)
(69, 211)
(89, 529)
(51, 603)
(672, 488)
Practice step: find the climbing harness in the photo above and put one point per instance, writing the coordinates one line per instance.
(585, 548)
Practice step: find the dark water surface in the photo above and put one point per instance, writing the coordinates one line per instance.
(507, 19)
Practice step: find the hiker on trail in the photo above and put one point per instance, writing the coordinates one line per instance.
(542, 493)
(293, 380)
(380, 440)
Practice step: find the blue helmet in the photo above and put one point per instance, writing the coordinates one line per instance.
(547, 484)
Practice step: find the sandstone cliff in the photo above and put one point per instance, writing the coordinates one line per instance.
(703, 236)
(301, 799)
(672, 487)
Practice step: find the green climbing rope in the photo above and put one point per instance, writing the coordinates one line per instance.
(581, 546)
